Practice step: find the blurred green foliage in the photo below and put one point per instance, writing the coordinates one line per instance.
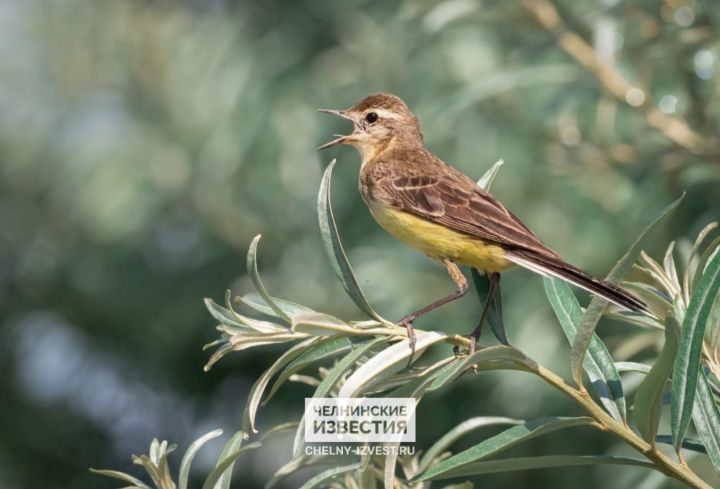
(144, 143)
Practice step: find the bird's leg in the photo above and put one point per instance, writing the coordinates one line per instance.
(408, 320)
(494, 279)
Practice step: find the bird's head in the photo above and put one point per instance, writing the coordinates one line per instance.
(378, 121)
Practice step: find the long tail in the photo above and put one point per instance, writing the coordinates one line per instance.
(554, 267)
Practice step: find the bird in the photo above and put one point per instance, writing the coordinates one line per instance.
(436, 209)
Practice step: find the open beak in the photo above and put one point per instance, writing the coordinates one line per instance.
(340, 139)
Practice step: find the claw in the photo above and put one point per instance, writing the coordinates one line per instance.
(473, 347)
(407, 323)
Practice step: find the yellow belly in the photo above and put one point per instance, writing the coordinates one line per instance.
(439, 242)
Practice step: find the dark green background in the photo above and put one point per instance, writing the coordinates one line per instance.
(143, 144)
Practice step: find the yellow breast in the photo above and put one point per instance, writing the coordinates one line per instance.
(439, 242)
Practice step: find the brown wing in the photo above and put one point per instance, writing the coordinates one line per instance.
(462, 206)
(457, 203)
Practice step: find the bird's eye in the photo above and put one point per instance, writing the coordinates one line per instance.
(371, 117)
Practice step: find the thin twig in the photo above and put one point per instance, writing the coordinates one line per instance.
(675, 129)
(605, 422)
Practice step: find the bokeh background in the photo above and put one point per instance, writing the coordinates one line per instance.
(144, 143)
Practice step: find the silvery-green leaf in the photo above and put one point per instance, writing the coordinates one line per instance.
(687, 365)
(657, 272)
(506, 356)
(705, 257)
(595, 310)
(322, 478)
(690, 271)
(335, 251)
(456, 433)
(293, 466)
(122, 476)
(224, 475)
(632, 367)
(257, 390)
(494, 314)
(223, 315)
(232, 318)
(322, 349)
(687, 444)
(503, 441)
(252, 269)
(648, 398)
(190, 455)
(598, 363)
(544, 462)
(216, 479)
(670, 268)
(487, 179)
(389, 361)
(646, 290)
(706, 417)
(243, 342)
(332, 377)
(256, 302)
(319, 324)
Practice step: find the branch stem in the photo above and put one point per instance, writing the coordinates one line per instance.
(664, 464)
(604, 422)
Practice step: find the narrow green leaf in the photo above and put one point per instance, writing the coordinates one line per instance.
(632, 367)
(224, 467)
(335, 251)
(503, 356)
(494, 315)
(223, 315)
(122, 476)
(257, 390)
(320, 324)
(222, 470)
(252, 270)
(231, 318)
(255, 301)
(463, 485)
(415, 390)
(293, 466)
(597, 306)
(487, 179)
(544, 462)
(332, 378)
(323, 477)
(597, 363)
(500, 442)
(694, 252)
(323, 349)
(648, 398)
(190, 455)
(688, 444)
(704, 258)
(707, 420)
(389, 361)
(456, 433)
(687, 363)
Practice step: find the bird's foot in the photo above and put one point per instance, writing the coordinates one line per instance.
(407, 323)
(471, 349)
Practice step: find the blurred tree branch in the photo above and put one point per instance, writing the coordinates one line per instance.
(675, 129)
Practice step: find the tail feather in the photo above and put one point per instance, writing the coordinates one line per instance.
(555, 267)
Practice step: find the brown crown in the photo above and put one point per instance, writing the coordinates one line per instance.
(381, 100)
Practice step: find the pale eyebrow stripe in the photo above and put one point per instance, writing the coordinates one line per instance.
(384, 113)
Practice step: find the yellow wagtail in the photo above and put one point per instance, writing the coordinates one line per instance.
(436, 209)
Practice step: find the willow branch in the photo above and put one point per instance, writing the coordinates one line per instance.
(674, 129)
(605, 422)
